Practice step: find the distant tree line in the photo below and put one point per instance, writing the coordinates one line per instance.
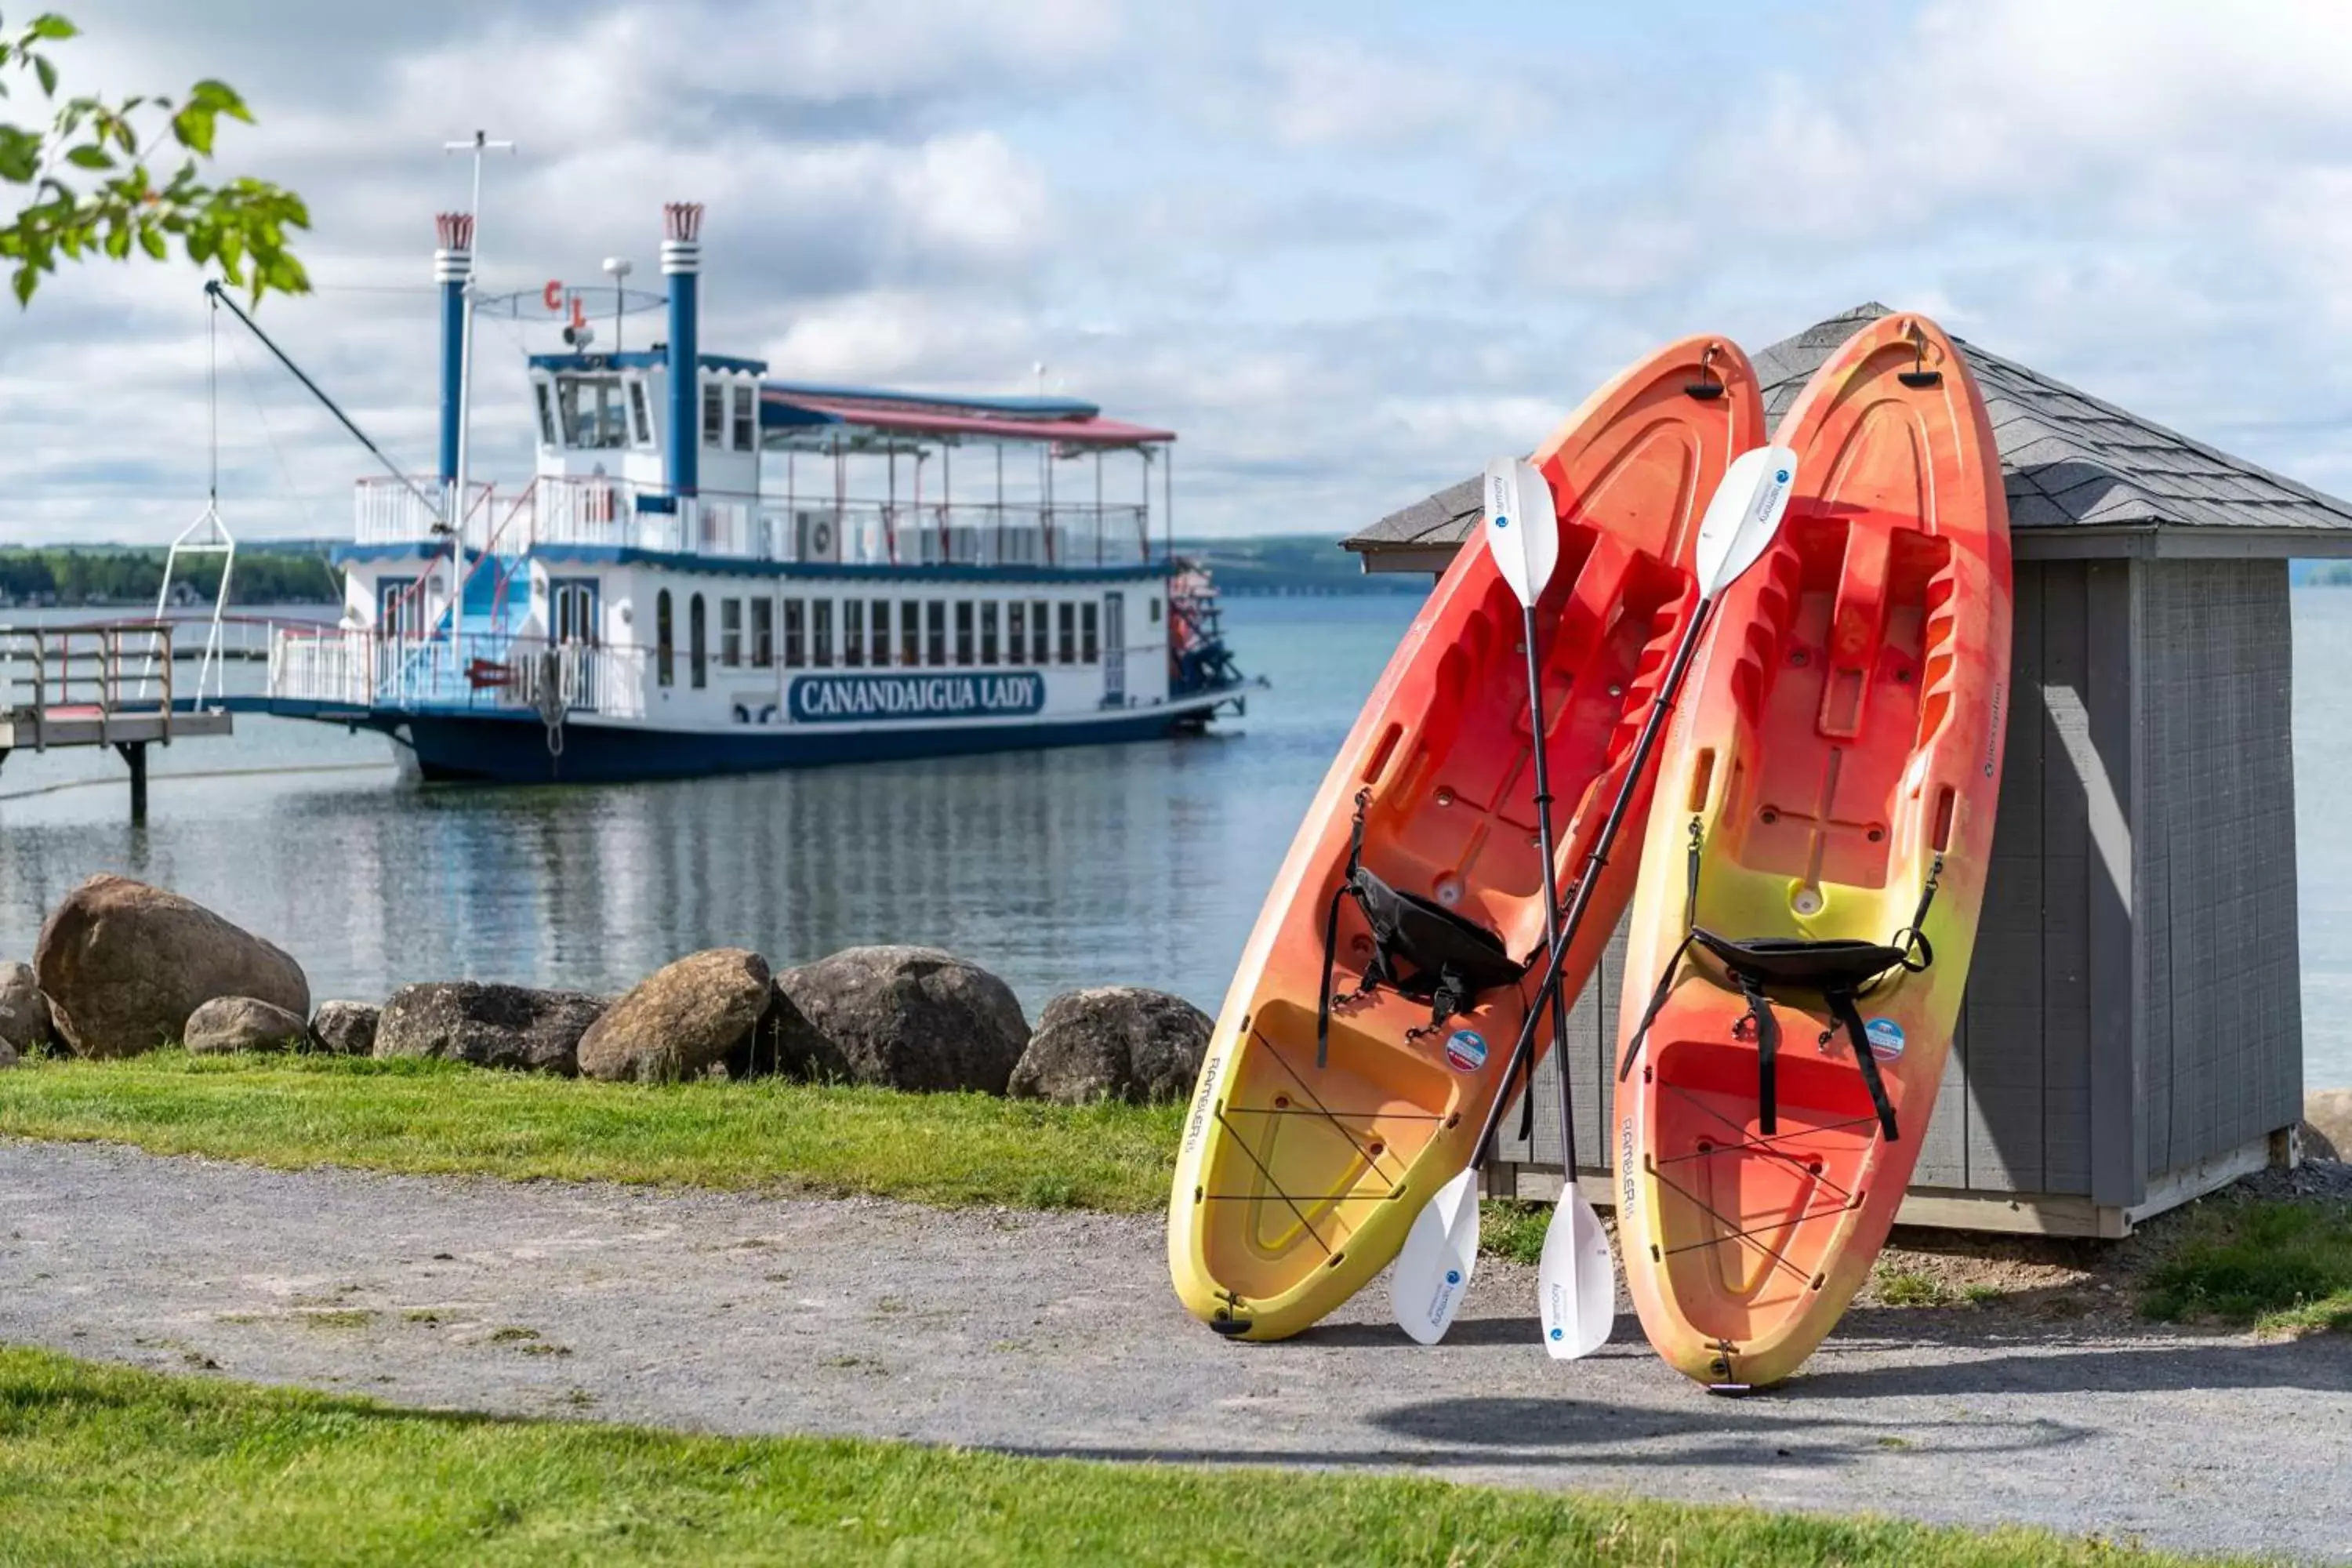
(66, 576)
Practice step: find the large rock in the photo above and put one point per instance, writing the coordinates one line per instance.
(489, 1026)
(8, 1056)
(679, 1020)
(125, 964)
(228, 1023)
(24, 1009)
(903, 1017)
(1113, 1042)
(2328, 1114)
(345, 1028)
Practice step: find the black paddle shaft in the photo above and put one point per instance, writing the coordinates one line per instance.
(1550, 877)
(1581, 900)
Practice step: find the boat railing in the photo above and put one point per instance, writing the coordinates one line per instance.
(389, 510)
(479, 672)
(600, 511)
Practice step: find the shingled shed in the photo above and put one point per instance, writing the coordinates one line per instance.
(2132, 1034)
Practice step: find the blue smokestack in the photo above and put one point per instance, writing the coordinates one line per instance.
(681, 264)
(453, 264)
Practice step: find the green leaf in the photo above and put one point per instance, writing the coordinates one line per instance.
(118, 242)
(20, 155)
(91, 157)
(220, 98)
(151, 239)
(49, 75)
(52, 29)
(193, 128)
(23, 283)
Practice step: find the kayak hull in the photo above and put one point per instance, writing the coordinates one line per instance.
(1304, 1162)
(1841, 745)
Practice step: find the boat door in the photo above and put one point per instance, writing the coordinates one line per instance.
(1113, 650)
(572, 604)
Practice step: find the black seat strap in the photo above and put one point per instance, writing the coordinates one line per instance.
(1768, 1050)
(1331, 934)
(1841, 1008)
(1650, 1014)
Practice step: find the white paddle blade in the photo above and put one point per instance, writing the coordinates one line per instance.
(1576, 1284)
(1432, 1272)
(1743, 516)
(1521, 527)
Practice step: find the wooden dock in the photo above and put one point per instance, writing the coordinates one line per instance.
(105, 685)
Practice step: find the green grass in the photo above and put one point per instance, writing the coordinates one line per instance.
(1508, 1229)
(104, 1465)
(428, 1117)
(2281, 1267)
(1905, 1288)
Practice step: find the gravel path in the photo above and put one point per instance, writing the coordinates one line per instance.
(1058, 1334)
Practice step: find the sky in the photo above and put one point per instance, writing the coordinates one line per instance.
(1348, 251)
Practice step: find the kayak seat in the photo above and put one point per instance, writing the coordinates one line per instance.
(1845, 963)
(1839, 971)
(1420, 949)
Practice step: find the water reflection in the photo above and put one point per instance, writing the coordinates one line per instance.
(1141, 864)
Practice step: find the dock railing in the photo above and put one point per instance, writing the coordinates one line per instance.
(85, 672)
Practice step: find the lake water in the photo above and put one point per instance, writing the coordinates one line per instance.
(1140, 865)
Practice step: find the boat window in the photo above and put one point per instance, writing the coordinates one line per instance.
(1070, 624)
(1016, 633)
(988, 631)
(399, 608)
(664, 667)
(697, 642)
(910, 636)
(745, 437)
(640, 420)
(821, 632)
(1154, 603)
(881, 632)
(546, 396)
(963, 631)
(714, 414)
(1040, 633)
(795, 637)
(853, 631)
(1090, 621)
(935, 623)
(567, 403)
(764, 634)
(593, 416)
(730, 632)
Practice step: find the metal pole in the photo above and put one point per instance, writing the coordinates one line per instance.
(480, 143)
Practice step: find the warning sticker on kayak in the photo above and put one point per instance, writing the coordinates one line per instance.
(1465, 1050)
(1885, 1037)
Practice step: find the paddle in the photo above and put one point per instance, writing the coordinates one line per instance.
(1433, 1268)
(1581, 1273)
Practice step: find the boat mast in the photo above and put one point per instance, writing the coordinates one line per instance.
(480, 144)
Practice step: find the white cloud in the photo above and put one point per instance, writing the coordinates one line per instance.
(1346, 260)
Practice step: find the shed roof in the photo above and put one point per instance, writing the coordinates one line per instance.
(2085, 478)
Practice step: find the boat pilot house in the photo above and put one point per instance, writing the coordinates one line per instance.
(2132, 1032)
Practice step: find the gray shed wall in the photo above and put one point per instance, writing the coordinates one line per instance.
(2133, 1004)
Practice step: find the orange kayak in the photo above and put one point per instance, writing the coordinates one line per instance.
(1354, 1062)
(1831, 787)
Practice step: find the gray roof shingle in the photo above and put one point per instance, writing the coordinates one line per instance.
(2070, 459)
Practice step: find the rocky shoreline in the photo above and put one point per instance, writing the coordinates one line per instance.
(122, 968)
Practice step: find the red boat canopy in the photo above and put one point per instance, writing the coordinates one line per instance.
(948, 419)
